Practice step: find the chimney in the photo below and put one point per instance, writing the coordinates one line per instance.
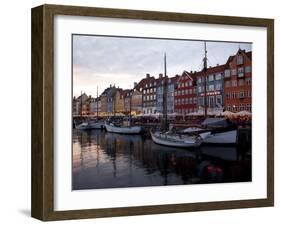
(135, 84)
(217, 64)
(160, 75)
(147, 75)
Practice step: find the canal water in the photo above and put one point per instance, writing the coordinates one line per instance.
(107, 160)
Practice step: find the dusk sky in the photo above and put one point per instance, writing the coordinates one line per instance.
(101, 61)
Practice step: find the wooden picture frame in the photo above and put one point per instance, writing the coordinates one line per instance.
(43, 112)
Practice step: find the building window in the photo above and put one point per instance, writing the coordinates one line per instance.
(199, 89)
(218, 86)
(211, 77)
(248, 69)
(233, 72)
(240, 72)
(218, 76)
(239, 59)
(241, 94)
(190, 83)
(233, 95)
(211, 101)
(219, 99)
(227, 84)
(201, 101)
(199, 79)
(227, 95)
(211, 87)
(227, 73)
(241, 82)
(248, 81)
(194, 100)
(234, 83)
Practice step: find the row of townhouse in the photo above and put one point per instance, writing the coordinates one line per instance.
(152, 94)
(228, 87)
(85, 105)
(112, 101)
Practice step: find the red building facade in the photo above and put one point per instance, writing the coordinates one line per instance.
(238, 82)
(185, 95)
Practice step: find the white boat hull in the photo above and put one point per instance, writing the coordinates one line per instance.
(229, 137)
(183, 141)
(123, 130)
(90, 125)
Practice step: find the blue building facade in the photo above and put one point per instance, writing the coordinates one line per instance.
(170, 94)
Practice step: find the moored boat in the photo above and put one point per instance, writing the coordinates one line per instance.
(178, 140)
(227, 137)
(122, 129)
(90, 125)
(221, 133)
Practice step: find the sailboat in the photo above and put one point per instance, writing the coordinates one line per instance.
(126, 128)
(169, 138)
(91, 124)
(216, 136)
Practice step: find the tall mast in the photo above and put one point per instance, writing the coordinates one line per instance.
(113, 98)
(81, 105)
(130, 106)
(205, 79)
(97, 102)
(165, 116)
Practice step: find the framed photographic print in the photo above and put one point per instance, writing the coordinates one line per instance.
(141, 112)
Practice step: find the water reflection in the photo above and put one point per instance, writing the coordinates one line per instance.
(108, 160)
